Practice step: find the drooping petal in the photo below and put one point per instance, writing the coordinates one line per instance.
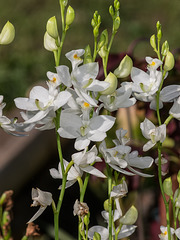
(81, 143)
(126, 231)
(92, 170)
(64, 75)
(61, 99)
(37, 214)
(104, 232)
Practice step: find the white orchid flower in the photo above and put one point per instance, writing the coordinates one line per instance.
(41, 101)
(42, 199)
(119, 99)
(85, 159)
(121, 157)
(54, 80)
(73, 174)
(153, 133)
(164, 233)
(117, 192)
(75, 57)
(94, 129)
(121, 137)
(175, 109)
(125, 231)
(146, 84)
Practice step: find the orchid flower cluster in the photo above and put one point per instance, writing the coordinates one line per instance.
(79, 106)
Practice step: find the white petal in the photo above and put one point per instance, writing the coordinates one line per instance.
(81, 143)
(37, 214)
(102, 123)
(126, 231)
(141, 162)
(92, 170)
(101, 230)
(61, 99)
(25, 104)
(64, 75)
(38, 116)
(148, 146)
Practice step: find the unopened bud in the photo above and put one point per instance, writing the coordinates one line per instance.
(159, 35)
(167, 186)
(153, 41)
(158, 25)
(7, 34)
(86, 219)
(116, 5)
(96, 31)
(51, 27)
(169, 62)
(124, 68)
(112, 79)
(70, 15)
(96, 236)
(165, 48)
(49, 43)
(111, 11)
(130, 216)
(116, 24)
(87, 55)
(103, 52)
(106, 205)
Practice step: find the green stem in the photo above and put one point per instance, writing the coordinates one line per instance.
(109, 171)
(168, 119)
(83, 190)
(162, 190)
(174, 214)
(95, 49)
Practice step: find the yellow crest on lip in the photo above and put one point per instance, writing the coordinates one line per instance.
(153, 63)
(86, 105)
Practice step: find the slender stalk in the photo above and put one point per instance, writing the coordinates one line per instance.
(95, 49)
(174, 214)
(109, 171)
(83, 190)
(162, 190)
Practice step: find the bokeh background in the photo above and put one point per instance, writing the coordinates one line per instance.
(25, 63)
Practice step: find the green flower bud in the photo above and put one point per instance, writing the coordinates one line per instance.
(64, 2)
(96, 236)
(158, 26)
(124, 68)
(87, 55)
(81, 229)
(7, 34)
(117, 5)
(165, 48)
(169, 62)
(51, 27)
(116, 24)
(93, 24)
(112, 79)
(106, 205)
(111, 11)
(178, 178)
(96, 31)
(86, 219)
(130, 217)
(103, 52)
(159, 35)
(49, 43)
(167, 186)
(70, 15)
(153, 41)
(2, 199)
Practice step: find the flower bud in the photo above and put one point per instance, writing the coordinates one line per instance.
(130, 217)
(153, 41)
(86, 219)
(159, 35)
(167, 186)
(96, 236)
(64, 2)
(103, 52)
(169, 61)
(111, 11)
(112, 79)
(70, 15)
(96, 31)
(124, 68)
(7, 34)
(116, 24)
(116, 5)
(49, 43)
(158, 26)
(106, 205)
(87, 55)
(51, 27)
(165, 48)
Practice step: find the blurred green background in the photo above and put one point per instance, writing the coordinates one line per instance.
(25, 61)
